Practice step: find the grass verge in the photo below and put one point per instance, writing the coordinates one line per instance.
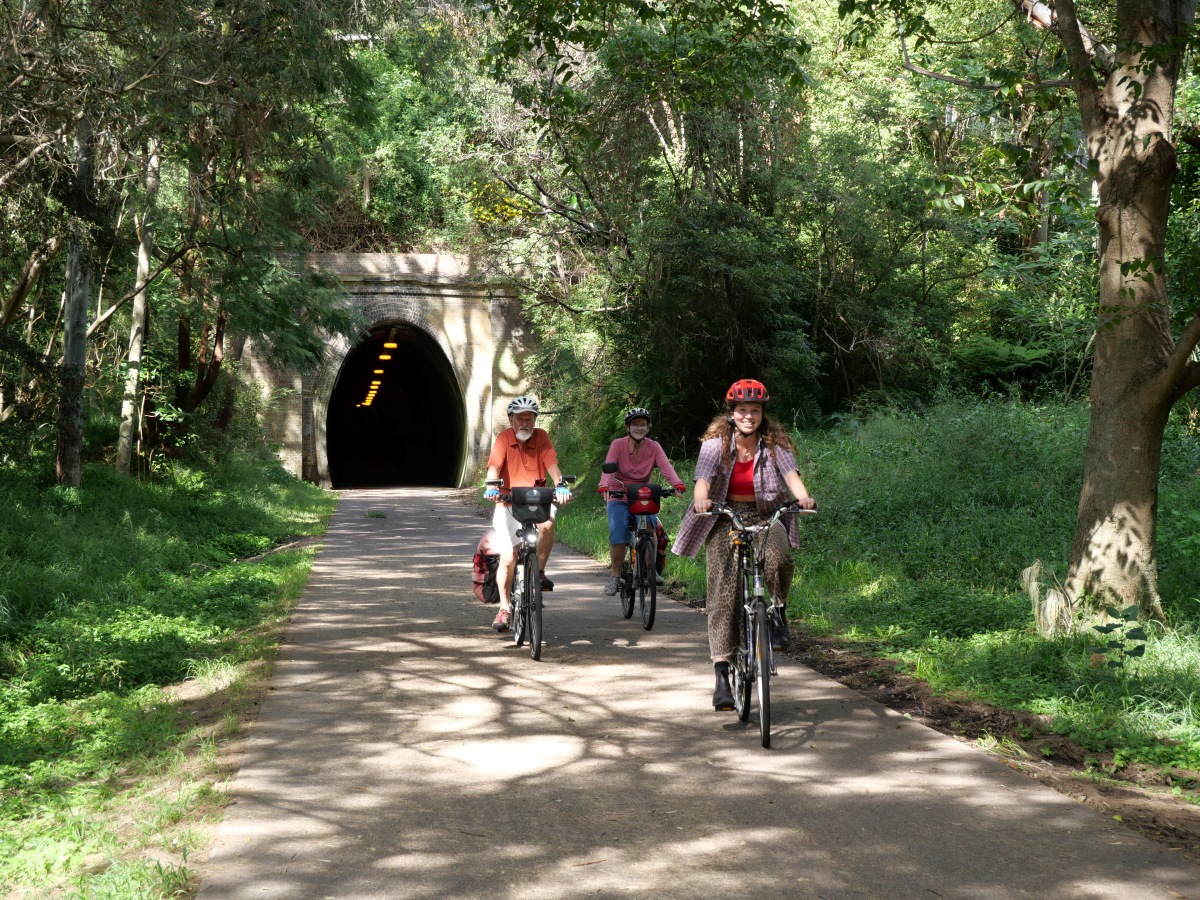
(134, 638)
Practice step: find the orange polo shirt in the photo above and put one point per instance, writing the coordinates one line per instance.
(521, 465)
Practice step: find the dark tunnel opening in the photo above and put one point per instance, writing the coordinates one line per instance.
(395, 416)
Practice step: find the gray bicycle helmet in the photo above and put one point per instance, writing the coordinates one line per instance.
(524, 403)
(637, 412)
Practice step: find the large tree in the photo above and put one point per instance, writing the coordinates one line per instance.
(223, 107)
(1141, 369)
(1123, 67)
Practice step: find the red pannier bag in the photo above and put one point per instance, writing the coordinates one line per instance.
(483, 575)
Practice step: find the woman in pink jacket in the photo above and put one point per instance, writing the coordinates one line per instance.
(636, 457)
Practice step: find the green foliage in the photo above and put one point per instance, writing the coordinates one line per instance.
(984, 355)
(31, 381)
(111, 590)
(726, 305)
(1126, 638)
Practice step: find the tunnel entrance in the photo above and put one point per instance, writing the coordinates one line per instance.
(396, 416)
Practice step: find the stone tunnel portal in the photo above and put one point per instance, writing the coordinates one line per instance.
(396, 414)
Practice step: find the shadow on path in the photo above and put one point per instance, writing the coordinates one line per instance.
(406, 750)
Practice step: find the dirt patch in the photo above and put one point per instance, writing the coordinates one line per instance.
(1140, 797)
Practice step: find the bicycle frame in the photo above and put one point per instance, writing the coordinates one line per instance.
(639, 572)
(754, 659)
(525, 598)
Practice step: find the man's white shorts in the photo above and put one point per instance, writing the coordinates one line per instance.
(506, 526)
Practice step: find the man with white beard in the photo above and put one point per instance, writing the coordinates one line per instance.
(522, 457)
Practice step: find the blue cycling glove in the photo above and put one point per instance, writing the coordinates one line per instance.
(491, 493)
(562, 494)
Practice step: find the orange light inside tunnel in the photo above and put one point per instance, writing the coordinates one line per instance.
(377, 372)
(390, 345)
(385, 356)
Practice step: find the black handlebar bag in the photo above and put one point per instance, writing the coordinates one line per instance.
(532, 504)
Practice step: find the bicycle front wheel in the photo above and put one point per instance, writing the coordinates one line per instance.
(740, 676)
(625, 589)
(533, 593)
(518, 614)
(647, 590)
(762, 653)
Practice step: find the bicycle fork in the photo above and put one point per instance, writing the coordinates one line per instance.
(757, 609)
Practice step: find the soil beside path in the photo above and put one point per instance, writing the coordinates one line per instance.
(406, 750)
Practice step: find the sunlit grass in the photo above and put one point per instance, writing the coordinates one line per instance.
(131, 646)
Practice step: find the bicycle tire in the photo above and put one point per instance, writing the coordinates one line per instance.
(739, 683)
(625, 589)
(534, 609)
(762, 650)
(647, 589)
(739, 670)
(518, 604)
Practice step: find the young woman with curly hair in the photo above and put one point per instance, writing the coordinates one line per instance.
(748, 462)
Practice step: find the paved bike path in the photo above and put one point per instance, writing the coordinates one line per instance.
(406, 750)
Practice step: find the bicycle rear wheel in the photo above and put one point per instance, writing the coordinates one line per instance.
(739, 683)
(647, 590)
(533, 596)
(762, 653)
(625, 589)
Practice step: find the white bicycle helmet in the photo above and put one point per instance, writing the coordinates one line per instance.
(524, 403)
(637, 412)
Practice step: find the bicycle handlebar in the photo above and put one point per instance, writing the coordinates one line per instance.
(506, 496)
(665, 490)
(792, 506)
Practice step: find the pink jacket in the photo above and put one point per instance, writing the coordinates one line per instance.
(638, 471)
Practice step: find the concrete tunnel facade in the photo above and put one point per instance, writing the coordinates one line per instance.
(414, 399)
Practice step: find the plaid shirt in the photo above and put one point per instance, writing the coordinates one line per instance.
(769, 490)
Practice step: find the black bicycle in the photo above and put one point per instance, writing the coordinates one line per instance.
(530, 507)
(640, 566)
(753, 661)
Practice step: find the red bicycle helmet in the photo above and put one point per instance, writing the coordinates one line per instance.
(747, 391)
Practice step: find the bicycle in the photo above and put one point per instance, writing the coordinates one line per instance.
(639, 568)
(530, 507)
(753, 661)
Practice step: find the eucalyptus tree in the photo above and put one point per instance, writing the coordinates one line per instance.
(232, 96)
(1121, 63)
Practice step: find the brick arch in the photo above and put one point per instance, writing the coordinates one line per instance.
(472, 319)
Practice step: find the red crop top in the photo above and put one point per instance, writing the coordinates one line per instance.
(741, 483)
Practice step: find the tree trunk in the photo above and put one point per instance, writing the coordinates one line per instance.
(68, 467)
(29, 276)
(137, 331)
(229, 400)
(1138, 372)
